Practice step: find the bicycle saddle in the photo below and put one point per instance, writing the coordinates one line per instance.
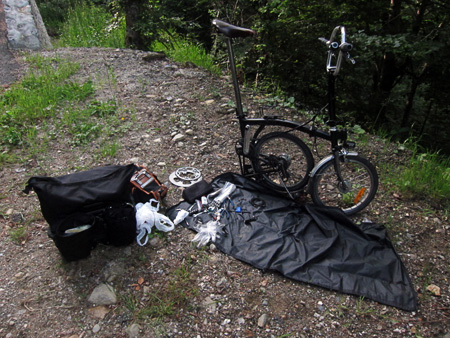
(232, 31)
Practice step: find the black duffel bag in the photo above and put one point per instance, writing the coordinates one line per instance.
(87, 208)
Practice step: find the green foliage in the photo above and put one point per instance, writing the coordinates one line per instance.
(184, 50)
(425, 176)
(148, 18)
(54, 13)
(88, 25)
(109, 150)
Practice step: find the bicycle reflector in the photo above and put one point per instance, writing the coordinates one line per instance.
(359, 195)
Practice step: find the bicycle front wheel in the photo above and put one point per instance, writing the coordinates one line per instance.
(282, 161)
(354, 193)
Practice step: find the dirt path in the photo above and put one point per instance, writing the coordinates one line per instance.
(209, 294)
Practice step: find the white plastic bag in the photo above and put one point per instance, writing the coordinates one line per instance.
(147, 217)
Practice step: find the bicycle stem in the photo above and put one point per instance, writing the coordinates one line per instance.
(332, 100)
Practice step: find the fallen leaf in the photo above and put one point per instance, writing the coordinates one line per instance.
(140, 280)
(434, 289)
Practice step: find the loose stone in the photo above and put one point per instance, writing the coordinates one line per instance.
(103, 295)
(262, 321)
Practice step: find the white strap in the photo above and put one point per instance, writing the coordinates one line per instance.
(143, 232)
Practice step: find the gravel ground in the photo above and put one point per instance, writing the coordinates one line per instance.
(170, 288)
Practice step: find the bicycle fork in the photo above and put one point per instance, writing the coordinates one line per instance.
(337, 156)
(343, 185)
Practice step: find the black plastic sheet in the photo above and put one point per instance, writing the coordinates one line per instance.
(316, 245)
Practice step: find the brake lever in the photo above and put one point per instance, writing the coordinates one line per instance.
(350, 59)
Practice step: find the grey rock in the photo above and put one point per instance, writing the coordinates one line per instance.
(96, 328)
(221, 282)
(155, 242)
(25, 26)
(103, 294)
(178, 137)
(133, 330)
(262, 321)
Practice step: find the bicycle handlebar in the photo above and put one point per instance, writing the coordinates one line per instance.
(340, 49)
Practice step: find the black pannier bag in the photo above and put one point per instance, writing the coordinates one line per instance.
(77, 235)
(87, 208)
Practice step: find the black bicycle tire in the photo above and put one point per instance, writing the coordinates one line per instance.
(267, 181)
(370, 169)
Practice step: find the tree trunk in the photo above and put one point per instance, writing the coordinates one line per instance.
(409, 103)
(416, 81)
(389, 70)
(134, 11)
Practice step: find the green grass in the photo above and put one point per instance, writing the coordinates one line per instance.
(18, 234)
(175, 296)
(88, 25)
(184, 50)
(47, 105)
(27, 105)
(426, 176)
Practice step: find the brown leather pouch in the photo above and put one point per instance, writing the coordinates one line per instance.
(147, 186)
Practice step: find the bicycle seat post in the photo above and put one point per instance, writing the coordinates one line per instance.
(231, 31)
(237, 92)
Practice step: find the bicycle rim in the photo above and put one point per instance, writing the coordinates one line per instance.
(354, 194)
(283, 162)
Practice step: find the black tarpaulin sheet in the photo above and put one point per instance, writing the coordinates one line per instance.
(311, 244)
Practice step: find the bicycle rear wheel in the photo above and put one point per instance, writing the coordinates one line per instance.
(353, 194)
(283, 161)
